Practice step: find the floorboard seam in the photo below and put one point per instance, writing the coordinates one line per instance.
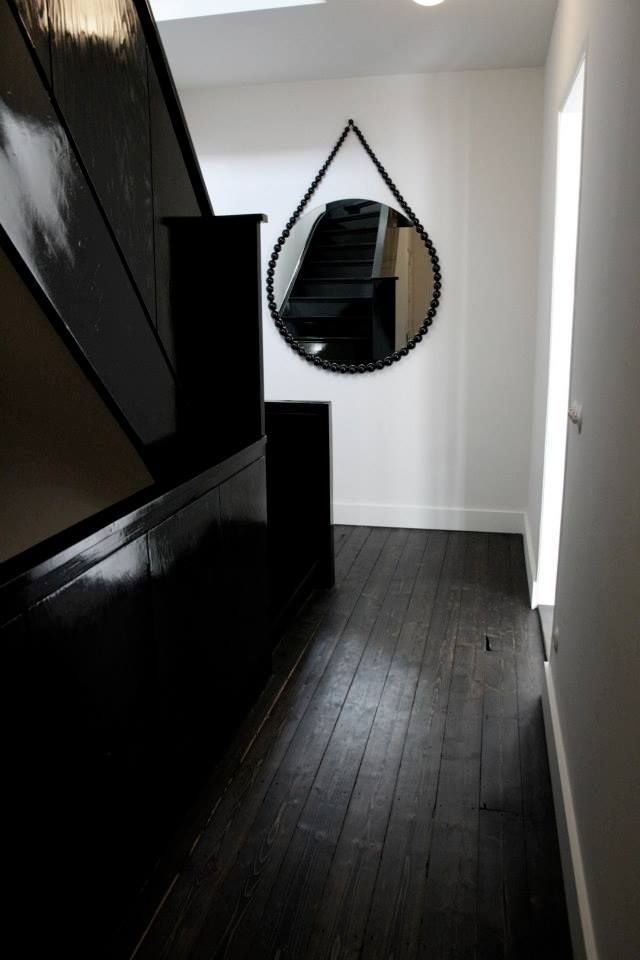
(404, 746)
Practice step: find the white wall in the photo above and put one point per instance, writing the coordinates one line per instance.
(594, 678)
(443, 437)
(63, 457)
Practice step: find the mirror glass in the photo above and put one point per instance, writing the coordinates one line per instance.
(354, 281)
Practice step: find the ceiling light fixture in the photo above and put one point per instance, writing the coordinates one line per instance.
(428, 3)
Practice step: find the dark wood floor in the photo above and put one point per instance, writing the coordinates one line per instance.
(389, 796)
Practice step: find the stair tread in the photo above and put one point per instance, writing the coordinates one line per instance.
(347, 260)
(322, 318)
(349, 217)
(322, 299)
(341, 232)
(334, 247)
(321, 339)
(335, 279)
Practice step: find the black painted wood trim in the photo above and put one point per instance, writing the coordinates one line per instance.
(319, 410)
(172, 100)
(230, 246)
(205, 223)
(44, 568)
(299, 505)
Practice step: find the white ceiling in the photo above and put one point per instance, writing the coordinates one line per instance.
(357, 38)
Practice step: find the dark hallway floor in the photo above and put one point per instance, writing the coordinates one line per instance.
(394, 802)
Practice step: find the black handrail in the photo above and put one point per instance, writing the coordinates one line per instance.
(301, 259)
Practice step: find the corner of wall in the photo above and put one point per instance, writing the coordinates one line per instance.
(578, 906)
(530, 560)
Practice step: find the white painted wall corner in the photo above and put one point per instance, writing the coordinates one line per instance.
(417, 517)
(530, 560)
(578, 907)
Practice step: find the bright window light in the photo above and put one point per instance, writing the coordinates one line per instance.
(183, 9)
(565, 248)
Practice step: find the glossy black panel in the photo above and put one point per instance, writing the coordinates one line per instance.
(173, 196)
(33, 14)
(24, 765)
(99, 67)
(51, 219)
(192, 679)
(42, 798)
(46, 789)
(299, 504)
(169, 93)
(185, 563)
(243, 513)
(94, 638)
(95, 635)
(217, 371)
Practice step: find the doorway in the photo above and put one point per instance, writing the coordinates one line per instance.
(565, 243)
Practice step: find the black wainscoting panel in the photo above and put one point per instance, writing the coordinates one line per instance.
(99, 65)
(34, 16)
(299, 484)
(129, 657)
(94, 637)
(243, 512)
(173, 196)
(26, 743)
(95, 634)
(191, 669)
(51, 220)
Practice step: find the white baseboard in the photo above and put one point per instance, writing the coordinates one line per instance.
(530, 561)
(428, 518)
(578, 908)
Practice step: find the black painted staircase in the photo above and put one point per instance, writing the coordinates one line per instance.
(333, 304)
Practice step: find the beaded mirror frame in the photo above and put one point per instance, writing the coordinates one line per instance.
(297, 213)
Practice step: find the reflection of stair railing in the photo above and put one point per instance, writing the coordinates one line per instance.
(383, 223)
(338, 304)
(300, 261)
(383, 316)
(383, 305)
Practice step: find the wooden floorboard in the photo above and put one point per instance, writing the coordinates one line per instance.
(340, 537)
(298, 887)
(389, 795)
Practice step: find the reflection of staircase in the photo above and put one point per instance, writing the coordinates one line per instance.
(332, 306)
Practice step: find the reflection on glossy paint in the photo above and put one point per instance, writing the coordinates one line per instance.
(100, 82)
(36, 179)
(104, 20)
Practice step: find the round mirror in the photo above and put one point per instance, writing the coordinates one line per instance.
(354, 285)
